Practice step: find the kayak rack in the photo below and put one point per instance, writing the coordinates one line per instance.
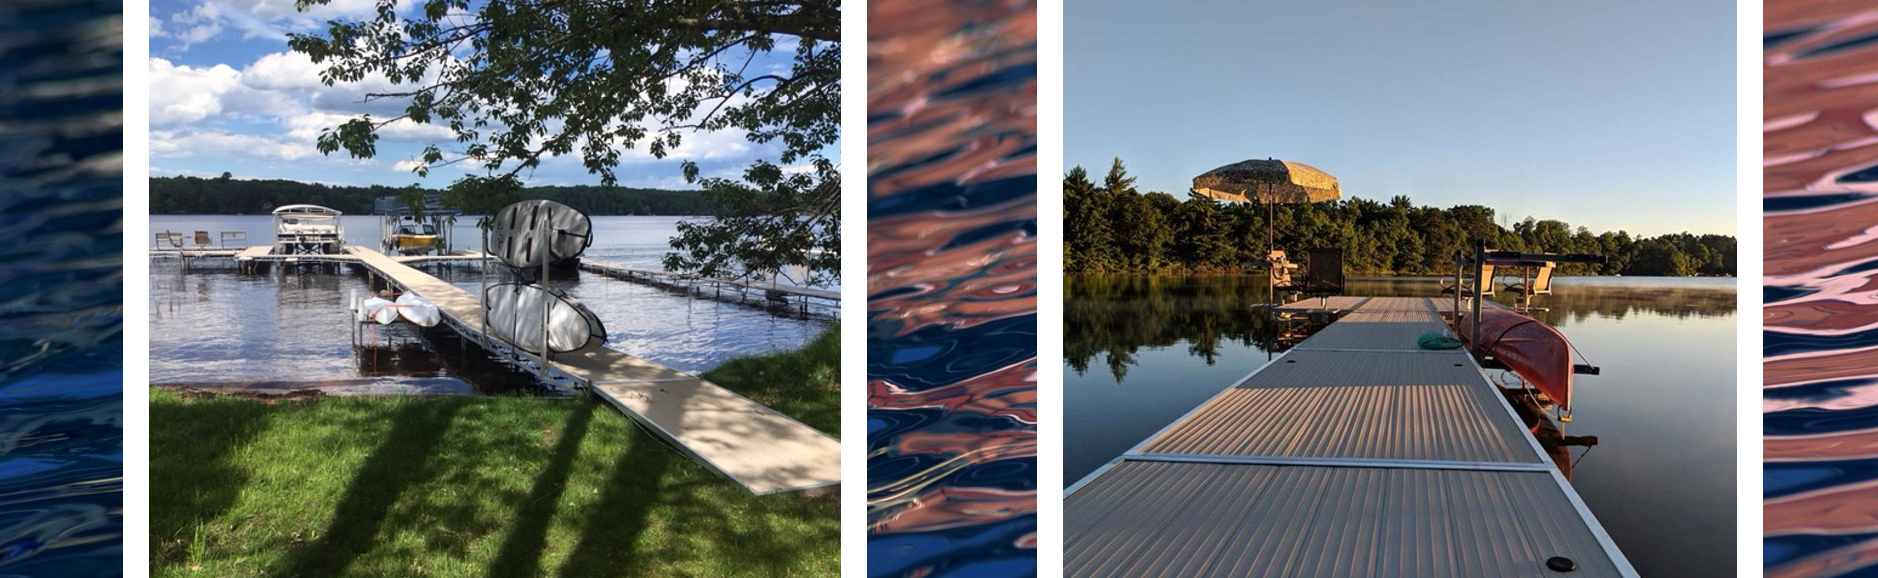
(1354, 453)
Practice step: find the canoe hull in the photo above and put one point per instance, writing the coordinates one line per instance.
(1532, 349)
(418, 311)
(381, 310)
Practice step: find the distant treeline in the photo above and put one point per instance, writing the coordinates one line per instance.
(1111, 228)
(228, 196)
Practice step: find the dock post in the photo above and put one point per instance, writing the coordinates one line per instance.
(1459, 263)
(545, 242)
(1480, 269)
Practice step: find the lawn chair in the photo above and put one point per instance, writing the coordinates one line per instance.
(174, 239)
(1539, 284)
(235, 236)
(202, 240)
(1467, 290)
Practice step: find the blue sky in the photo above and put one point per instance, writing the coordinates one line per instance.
(227, 94)
(1607, 114)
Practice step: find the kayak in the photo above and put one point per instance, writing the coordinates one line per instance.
(380, 309)
(1532, 349)
(418, 311)
(514, 314)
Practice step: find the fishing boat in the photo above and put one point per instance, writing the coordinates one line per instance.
(307, 230)
(414, 230)
(1529, 347)
(411, 236)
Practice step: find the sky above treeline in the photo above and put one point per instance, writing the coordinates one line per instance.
(228, 95)
(1606, 114)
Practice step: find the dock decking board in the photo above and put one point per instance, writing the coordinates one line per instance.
(1353, 454)
(753, 445)
(1147, 519)
(1346, 405)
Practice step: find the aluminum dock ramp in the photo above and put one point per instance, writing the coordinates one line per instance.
(747, 442)
(1354, 453)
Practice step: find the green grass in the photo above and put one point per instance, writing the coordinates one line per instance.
(476, 486)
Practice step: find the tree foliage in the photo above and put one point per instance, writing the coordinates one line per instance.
(521, 81)
(1113, 228)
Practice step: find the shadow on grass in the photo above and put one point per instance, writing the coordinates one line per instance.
(402, 460)
(192, 478)
(521, 551)
(608, 540)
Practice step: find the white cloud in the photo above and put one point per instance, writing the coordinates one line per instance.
(405, 166)
(185, 94)
(216, 144)
(263, 18)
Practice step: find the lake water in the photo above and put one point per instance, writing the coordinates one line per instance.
(288, 328)
(1142, 351)
(952, 290)
(62, 290)
(1820, 325)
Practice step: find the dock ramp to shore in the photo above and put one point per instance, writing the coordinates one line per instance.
(1354, 453)
(740, 439)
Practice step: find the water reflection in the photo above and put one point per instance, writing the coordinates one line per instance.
(1108, 320)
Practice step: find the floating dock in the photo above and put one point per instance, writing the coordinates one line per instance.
(1354, 453)
(806, 300)
(740, 439)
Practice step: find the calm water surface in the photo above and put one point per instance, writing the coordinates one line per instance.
(1142, 351)
(288, 328)
(1820, 396)
(952, 292)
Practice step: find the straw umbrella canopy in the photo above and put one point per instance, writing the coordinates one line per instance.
(1269, 181)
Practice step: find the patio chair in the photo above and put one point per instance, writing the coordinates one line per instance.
(202, 240)
(234, 236)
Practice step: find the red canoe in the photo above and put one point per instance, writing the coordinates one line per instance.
(1529, 347)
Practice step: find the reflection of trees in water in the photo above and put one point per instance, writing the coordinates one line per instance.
(1114, 317)
(1117, 316)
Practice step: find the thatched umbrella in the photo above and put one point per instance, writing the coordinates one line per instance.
(1271, 182)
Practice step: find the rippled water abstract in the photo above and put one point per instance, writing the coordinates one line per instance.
(952, 253)
(1820, 356)
(61, 289)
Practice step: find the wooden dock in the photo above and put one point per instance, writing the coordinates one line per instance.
(747, 442)
(1355, 453)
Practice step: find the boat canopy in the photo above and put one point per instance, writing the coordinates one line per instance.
(306, 212)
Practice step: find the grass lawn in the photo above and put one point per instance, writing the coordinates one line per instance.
(476, 486)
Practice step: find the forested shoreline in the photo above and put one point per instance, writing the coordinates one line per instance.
(1111, 227)
(229, 196)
